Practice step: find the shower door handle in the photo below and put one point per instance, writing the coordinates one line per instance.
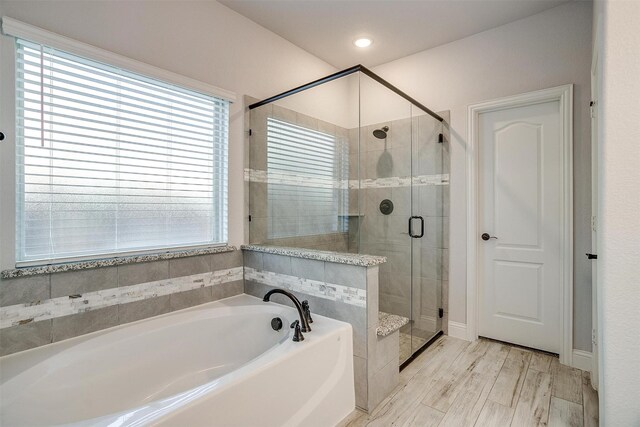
(416, 236)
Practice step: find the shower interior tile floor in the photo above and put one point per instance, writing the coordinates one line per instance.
(406, 341)
(485, 383)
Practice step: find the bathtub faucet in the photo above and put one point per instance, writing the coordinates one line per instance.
(303, 318)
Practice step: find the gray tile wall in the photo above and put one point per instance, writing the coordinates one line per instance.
(264, 217)
(32, 289)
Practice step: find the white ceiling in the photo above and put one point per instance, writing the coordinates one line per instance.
(327, 28)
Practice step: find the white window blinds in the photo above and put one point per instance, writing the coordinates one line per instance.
(306, 192)
(110, 162)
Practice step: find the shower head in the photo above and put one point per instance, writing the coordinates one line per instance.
(381, 133)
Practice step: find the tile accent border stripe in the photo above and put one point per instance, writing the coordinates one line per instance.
(254, 175)
(21, 314)
(316, 288)
(109, 262)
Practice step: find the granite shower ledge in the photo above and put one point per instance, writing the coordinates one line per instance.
(328, 256)
(110, 262)
(389, 323)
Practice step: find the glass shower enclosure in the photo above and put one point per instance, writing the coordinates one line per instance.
(350, 163)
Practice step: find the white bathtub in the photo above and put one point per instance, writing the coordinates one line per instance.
(218, 364)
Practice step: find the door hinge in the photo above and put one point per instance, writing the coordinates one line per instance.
(250, 132)
(594, 223)
(249, 218)
(441, 313)
(594, 337)
(592, 109)
(441, 138)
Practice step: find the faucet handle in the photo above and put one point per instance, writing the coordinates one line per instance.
(297, 334)
(307, 311)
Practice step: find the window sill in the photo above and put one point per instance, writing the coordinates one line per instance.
(109, 262)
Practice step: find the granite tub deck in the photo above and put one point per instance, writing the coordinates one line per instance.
(343, 286)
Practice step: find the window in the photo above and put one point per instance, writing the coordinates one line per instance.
(110, 161)
(306, 190)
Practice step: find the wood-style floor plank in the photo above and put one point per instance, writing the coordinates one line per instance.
(589, 402)
(567, 382)
(507, 388)
(495, 415)
(532, 408)
(484, 384)
(424, 416)
(398, 409)
(447, 385)
(564, 413)
(540, 361)
(466, 408)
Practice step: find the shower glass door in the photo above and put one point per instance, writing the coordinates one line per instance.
(401, 209)
(427, 230)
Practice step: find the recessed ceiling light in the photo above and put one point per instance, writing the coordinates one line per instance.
(363, 42)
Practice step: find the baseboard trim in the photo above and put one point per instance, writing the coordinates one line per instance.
(582, 360)
(458, 330)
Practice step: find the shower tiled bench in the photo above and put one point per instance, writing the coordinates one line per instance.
(342, 286)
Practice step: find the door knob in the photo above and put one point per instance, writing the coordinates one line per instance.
(486, 236)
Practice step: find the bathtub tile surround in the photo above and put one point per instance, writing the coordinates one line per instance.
(40, 307)
(340, 286)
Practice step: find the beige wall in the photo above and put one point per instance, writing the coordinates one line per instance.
(545, 50)
(203, 40)
(618, 113)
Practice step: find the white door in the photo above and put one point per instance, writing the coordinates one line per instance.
(520, 208)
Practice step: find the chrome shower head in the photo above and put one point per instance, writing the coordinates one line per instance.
(381, 133)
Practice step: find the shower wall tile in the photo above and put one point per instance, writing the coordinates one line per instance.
(258, 230)
(258, 202)
(226, 260)
(226, 290)
(382, 350)
(24, 290)
(190, 298)
(258, 150)
(131, 274)
(188, 266)
(445, 264)
(82, 281)
(84, 323)
(383, 382)
(284, 114)
(373, 294)
(308, 268)
(24, 337)
(429, 261)
(258, 118)
(253, 259)
(138, 310)
(325, 127)
(346, 275)
(277, 263)
(360, 374)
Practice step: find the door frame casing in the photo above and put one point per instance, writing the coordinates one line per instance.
(564, 95)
